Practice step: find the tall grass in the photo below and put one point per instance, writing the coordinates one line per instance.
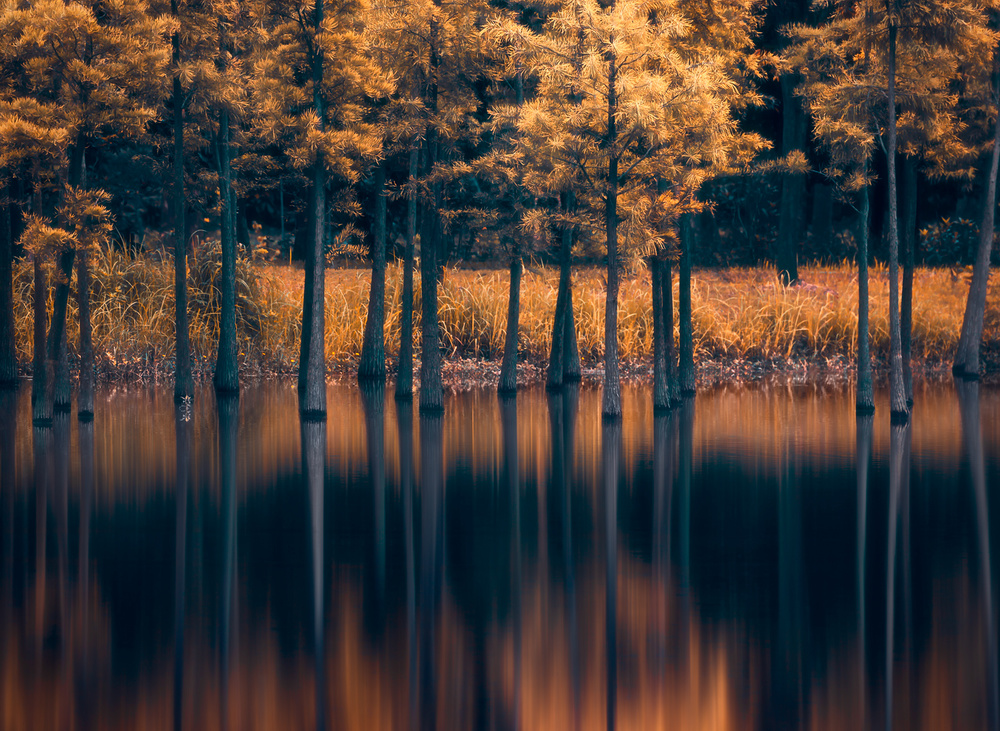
(737, 313)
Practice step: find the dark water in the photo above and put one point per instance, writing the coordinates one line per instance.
(759, 559)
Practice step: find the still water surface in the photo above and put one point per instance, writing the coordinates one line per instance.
(758, 559)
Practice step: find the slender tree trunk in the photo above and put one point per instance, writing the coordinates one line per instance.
(661, 394)
(966, 363)
(865, 401)
(792, 184)
(404, 371)
(226, 367)
(670, 353)
(85, 398)
(8, 354)
(611, 406)
(312, 359)
(372, 364)
(57, 392)
(897, 388)
(907, 241)
(183, 379)
(508, 369)
(41, 409)
(558, 349)
(686, 370)
(572, 369)
(431, 390)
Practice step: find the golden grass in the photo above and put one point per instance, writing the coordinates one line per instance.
(737, 313)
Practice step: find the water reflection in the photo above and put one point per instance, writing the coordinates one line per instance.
(511, 564)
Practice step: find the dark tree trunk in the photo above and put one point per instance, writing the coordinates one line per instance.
(372, 364)
(966, 362)
(865, 401)
(431, 390)
(58, 389)
(227, 378)
(564, 357)
(41, 409)
(611, 405)
(508, 368)
(431, 560)
(908, 241)
(8, 353)
(661, 393)
(897, 390)
(686, 355)
(404, 371)
(670, 352)
(85, 398)
(312, 358)
(572, 370)
(822, 218)
(183, 379)
(792, 184)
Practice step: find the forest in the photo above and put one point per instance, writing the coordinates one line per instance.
(213, 142)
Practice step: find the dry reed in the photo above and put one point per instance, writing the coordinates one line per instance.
(737, 313)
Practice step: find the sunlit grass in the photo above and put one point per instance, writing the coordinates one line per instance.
(737, 313)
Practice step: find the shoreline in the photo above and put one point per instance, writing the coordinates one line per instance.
(460, 374)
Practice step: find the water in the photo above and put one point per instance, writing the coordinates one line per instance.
(759, 559)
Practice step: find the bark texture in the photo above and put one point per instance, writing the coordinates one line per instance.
(611, 403)
(404, 369)
(907, 242)
(8, 354)
(661, 395)
(85, 397)
(792, 184)
(372, 364)
(183, 379)
(966, 363)
(312, 358)
(508, 368)
(865, 397)
(897, 390)
(686, 354)
(226, 367)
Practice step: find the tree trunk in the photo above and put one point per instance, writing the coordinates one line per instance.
(865, 400)
(908, 241)
(686, 375)
(431, 391)
(897, 390)
(670, 354)
(8, 353)
(41, 409)
(792, 184)
(611, 405)
(572, 370)
(312, 359)
(404, 370)
(508, 369)
(226, 367)
(558, 349)
(85, 398)
(372, 364)
(58, 390)
(661, 394)
(183, 379)
(966, 363)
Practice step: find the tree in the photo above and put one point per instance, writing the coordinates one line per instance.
(628, 95)
(96, 67)
(966, 364)
(844, 75)
(313, 77)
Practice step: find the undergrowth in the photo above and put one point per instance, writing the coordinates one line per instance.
(737, 313)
